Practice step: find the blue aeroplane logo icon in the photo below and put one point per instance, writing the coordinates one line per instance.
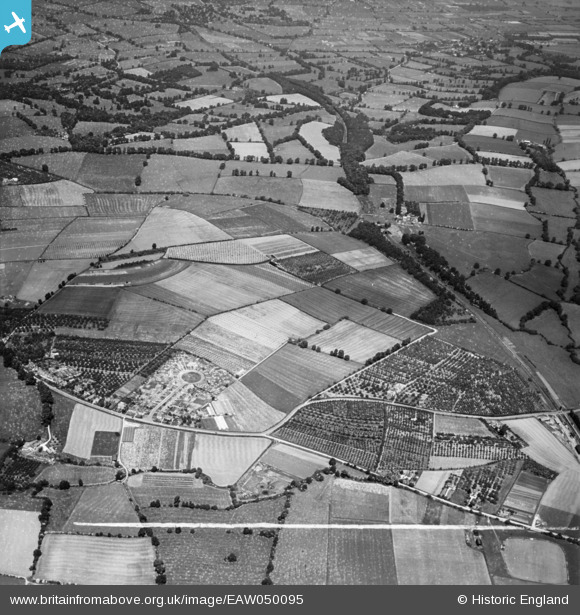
(15, 22)
(18, 22)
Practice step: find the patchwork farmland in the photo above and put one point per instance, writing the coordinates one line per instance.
(290, 264)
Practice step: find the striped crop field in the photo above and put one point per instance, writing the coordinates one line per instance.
(332, 243)
(327, 306)
(501, 197)
(82, 301)
(543, 446)
(103, 504)
(245, 410)
(388, 287)
(224, 458)
(363, 259)
(85, 422)
(234, 252)
(394, 326)
(147, 446)
(291, 375)
(172, 227)
(121, 204)
(42, 213)
(210, 289)
(31, 239)
(157, 322)
(251, 329)
(214, 352)
(358, 342)
(152, 270)
(282, 318)
(293, 461)
(96, 560)
(280, 246)
(61, 193)
(92, 237)
(44, 277)
(237, 343)
(164, 486)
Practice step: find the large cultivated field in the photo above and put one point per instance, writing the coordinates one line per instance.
(560, 506)
(327, 195)
(538, 561)
(388, 287)
(223, 252)
(236, 342)
(291, 375)
(55, 194)
(89, 475)
(380, 556)
(463, 175)
(277, 188)
(223, 458)
(30, 239)
(333, 243)
(178, 174)
(171, 227)
(510, 301)
(244, 410)
(157, 322)
(201, 559)
(85, 422)
(92, 237)
(437, 557)
(312, 133)
(103, 504)
(110, 173)
(279, 246)
(93, 560)
(543, 446)
(18, 539)
(44, 277)
(209, 289)
(331, 307)
(82, 301)
(281, 318)
(164, 486)
(358, 342)
(121, 204)
(293, 461)
(363, 259)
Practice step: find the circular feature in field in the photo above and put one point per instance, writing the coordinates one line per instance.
(192, 377)
(535, 560)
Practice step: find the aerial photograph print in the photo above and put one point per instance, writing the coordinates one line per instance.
(290, 293)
